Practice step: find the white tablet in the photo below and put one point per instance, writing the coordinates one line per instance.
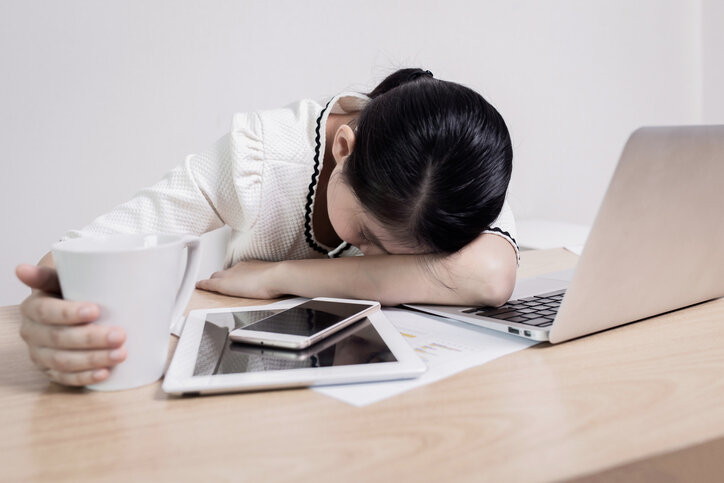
(208, 361)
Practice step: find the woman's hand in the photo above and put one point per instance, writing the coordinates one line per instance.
(61, 340)
(252, 279)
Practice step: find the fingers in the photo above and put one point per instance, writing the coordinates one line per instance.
(88, 336)
(211, 284)
(67, 361)
(60, 339)
(224, 286)
(41, 278)
(81, 378)
(43, 308)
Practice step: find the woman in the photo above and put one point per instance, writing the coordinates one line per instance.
(414, 176)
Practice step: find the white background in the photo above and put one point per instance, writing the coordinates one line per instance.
(99, 99)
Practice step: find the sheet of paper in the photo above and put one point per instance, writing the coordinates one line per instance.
(446, 346)
(577, 249)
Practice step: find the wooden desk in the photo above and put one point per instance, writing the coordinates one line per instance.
(545, 413)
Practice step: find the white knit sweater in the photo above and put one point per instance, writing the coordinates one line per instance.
(260, 179)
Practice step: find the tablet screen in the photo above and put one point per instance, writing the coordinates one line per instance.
(218, 354)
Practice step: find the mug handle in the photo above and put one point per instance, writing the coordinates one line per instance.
(188, 283)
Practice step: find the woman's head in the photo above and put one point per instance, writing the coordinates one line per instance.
(427, 166)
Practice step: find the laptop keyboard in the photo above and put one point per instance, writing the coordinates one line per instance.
(538, 311)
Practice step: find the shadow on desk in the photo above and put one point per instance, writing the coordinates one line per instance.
(702, 463)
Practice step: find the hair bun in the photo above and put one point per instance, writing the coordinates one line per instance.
(398, 78)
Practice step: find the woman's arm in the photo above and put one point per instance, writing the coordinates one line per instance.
(482, 273)
(192, 198)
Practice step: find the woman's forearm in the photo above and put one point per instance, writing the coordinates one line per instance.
(481, 275)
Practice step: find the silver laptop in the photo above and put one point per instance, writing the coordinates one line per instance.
(656, 245)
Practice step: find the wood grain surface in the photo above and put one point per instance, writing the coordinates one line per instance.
(545, 413)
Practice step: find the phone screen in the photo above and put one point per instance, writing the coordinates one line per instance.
(307, 319)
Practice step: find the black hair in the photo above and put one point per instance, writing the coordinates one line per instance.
(432, 161)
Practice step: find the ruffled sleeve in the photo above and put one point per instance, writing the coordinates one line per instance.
(504, 226)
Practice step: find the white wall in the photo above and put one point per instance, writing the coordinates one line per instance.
(712, 30)
(99, 99)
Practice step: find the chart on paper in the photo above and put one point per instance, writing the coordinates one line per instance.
(430, 346)
(447, 347)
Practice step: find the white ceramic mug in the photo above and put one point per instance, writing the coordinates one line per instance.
(134, 279)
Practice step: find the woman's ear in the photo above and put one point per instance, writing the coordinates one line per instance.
(343, 143)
